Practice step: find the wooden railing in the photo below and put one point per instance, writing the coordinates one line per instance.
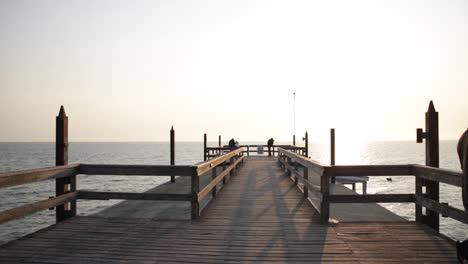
(229, 161)
(291, 161)
(211, 152)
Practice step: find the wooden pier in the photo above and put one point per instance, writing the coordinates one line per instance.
(235, 208)
(259, 216)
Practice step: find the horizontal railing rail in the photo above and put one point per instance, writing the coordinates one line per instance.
(290, 162)
(10, 179)
(136, 170)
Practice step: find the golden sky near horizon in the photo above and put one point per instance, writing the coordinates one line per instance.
(127, 71)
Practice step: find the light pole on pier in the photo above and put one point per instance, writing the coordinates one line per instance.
(294, 119)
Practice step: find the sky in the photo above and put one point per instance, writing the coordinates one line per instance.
(129, 70)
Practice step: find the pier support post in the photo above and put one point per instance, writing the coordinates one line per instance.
(172, 146)
(195, 188)
(204, 147)
(332, 151)
(431, 136)
(294, 140)
(63, 185)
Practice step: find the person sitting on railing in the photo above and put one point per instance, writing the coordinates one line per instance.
(270, 143)
(232, 143)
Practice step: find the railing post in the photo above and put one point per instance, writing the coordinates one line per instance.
(231, 161)
(195, 188)
(224, 168)
(248, 150)
(172, 147)
(288, 162)
(213, 175)
(306, 181)
(296, 180)
(204, 147)
(63, 185)
(332, 151)
(431, 135)
(306, 139)
(219, 145)
(325, 190)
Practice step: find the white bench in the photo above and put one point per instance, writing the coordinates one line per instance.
(353, 180)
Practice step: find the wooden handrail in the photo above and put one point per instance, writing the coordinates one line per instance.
(9, 179)
(372, 170)
(137, 170)
(209, 164)
(437, 174)
(218, 178)
(31, 208)
(419, 171)
(314, 166)
(88, 195)
(442, 208)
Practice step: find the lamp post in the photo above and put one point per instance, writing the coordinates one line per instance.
(294, 119)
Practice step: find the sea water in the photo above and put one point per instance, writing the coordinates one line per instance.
(21, 156)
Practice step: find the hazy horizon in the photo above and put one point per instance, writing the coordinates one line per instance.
(128, 71)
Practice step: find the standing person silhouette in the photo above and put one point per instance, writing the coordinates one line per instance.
(462, 149)
(270, 143)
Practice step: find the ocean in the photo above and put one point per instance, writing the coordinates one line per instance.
(21, 156)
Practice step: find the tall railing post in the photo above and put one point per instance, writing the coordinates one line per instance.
(195, 188)
(332, 151)
(219, 145)
(204, 147)
(63, 185)
(431, 136)
(306, 139)
(325, 190)
(172, 147)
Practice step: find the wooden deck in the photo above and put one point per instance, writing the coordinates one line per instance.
(259, 216)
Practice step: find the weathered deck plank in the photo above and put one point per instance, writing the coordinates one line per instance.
(259, 216)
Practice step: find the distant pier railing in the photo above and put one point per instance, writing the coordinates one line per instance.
(302, 169)
(212, 152)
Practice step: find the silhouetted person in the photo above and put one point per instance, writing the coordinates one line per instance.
(270, 143)
(462, 149)
(232, 143)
